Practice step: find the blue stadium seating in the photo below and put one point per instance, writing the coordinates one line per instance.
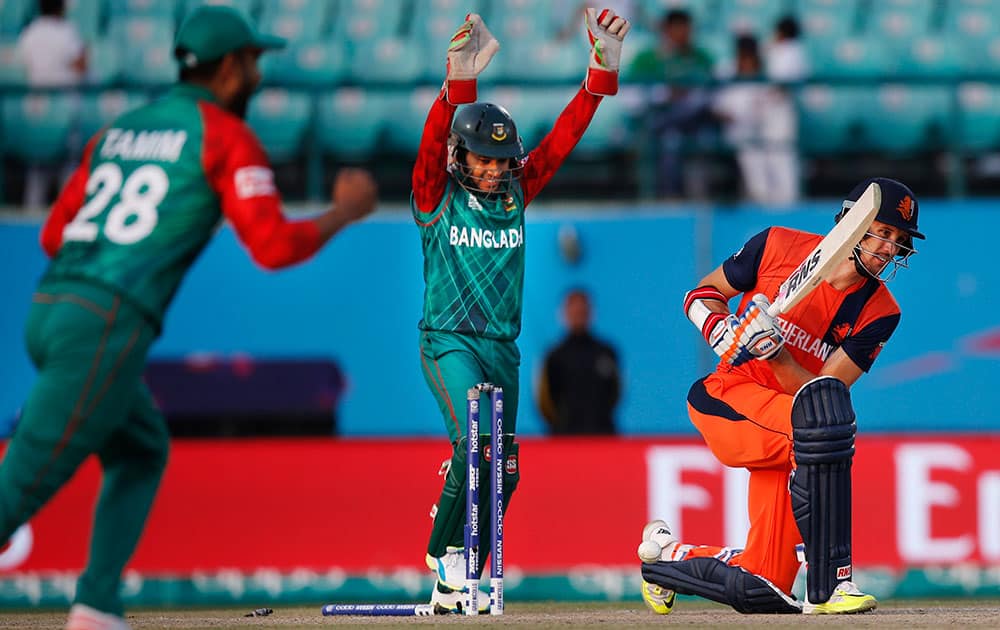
(14, 14)
(828, 20)
(830, 119)
(905, 119)
(388, 60)
(148, 43)
(97, 109)
(349, 123)
(87, 17)
(154, 8)
(368, 18)
(405, 115)
(281, 119)
(852, 57)
(36, 127)
(317, 65)
(11, 68)
(979, 117)
(295, 21)
(755, 17)
(249, 7)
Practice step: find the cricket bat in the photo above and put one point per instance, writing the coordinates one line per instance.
(831, 251)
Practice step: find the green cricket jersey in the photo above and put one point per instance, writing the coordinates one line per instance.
(150, 193)
(474, 263)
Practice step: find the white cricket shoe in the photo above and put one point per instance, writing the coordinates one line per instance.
(82, 617)
(449, 568)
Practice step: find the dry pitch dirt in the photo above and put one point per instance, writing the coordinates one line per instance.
(632, 615)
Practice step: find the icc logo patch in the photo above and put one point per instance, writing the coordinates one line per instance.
(499, 132)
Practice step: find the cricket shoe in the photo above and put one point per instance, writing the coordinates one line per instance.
(82, 617)
(846, 600)
(446, 600)
(449, 568)
(660, 600)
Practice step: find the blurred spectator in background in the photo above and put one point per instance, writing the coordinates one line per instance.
(759, 118)
(580, 385)
(680, 104)
(785, 56)
(54, 56)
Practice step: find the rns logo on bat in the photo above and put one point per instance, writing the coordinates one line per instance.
(800, 275)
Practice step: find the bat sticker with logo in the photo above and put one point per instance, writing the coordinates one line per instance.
(831, 251)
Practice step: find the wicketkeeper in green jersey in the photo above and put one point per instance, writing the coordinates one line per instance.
(471, 183)
(150, 192)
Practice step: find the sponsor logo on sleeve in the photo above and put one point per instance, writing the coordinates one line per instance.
(254, 181)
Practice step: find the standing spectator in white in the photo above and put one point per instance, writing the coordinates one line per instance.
(760, 119)
(54, 56)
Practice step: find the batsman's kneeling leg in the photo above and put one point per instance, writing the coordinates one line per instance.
(723, 583)
(823, 429)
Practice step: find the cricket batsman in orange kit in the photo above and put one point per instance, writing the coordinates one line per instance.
(778, 405)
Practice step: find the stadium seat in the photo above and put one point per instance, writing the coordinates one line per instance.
(852, 57)
(295, 21)
(317, 64)
(931, 57)
(14, 14)
(349, 123)
(898, 22)
(828, 19)
(11, 68)
(136, 8)
(544, 62)
(755, 17)
(103, 62)
(906, 119)
(148, 43)
(434, 21)
(387, 60)
(830, 119)
(97, 109)
(87, 16)
(979, 117)
(36, 127)
(523, 22)
(281, 119)
(248, 7)
(405, 115)
(370, 18)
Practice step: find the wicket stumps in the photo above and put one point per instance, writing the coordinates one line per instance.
(496, 458)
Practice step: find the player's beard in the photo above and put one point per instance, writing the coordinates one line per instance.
(239, 104)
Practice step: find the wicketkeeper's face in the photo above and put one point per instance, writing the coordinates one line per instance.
(487, 174)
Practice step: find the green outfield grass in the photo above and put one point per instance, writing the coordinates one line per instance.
(689, 612)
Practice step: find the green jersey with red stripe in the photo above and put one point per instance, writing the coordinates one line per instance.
(474, 263)
(150, 192)
(473, 244)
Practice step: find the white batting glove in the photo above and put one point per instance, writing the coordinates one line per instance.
(606, 32)
(723, 336)
(470, 51)
(759, 334)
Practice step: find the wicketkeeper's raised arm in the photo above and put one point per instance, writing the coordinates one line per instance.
(606, 32)
(469, 52)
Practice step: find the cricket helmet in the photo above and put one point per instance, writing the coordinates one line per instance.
(488, 130)
(898, 209)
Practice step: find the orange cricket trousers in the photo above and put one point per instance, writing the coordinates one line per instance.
(748, 425)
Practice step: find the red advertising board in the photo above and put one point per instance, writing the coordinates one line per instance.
(358, 504)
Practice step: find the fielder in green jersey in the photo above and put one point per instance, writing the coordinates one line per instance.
(150, 192)
(471, 183)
